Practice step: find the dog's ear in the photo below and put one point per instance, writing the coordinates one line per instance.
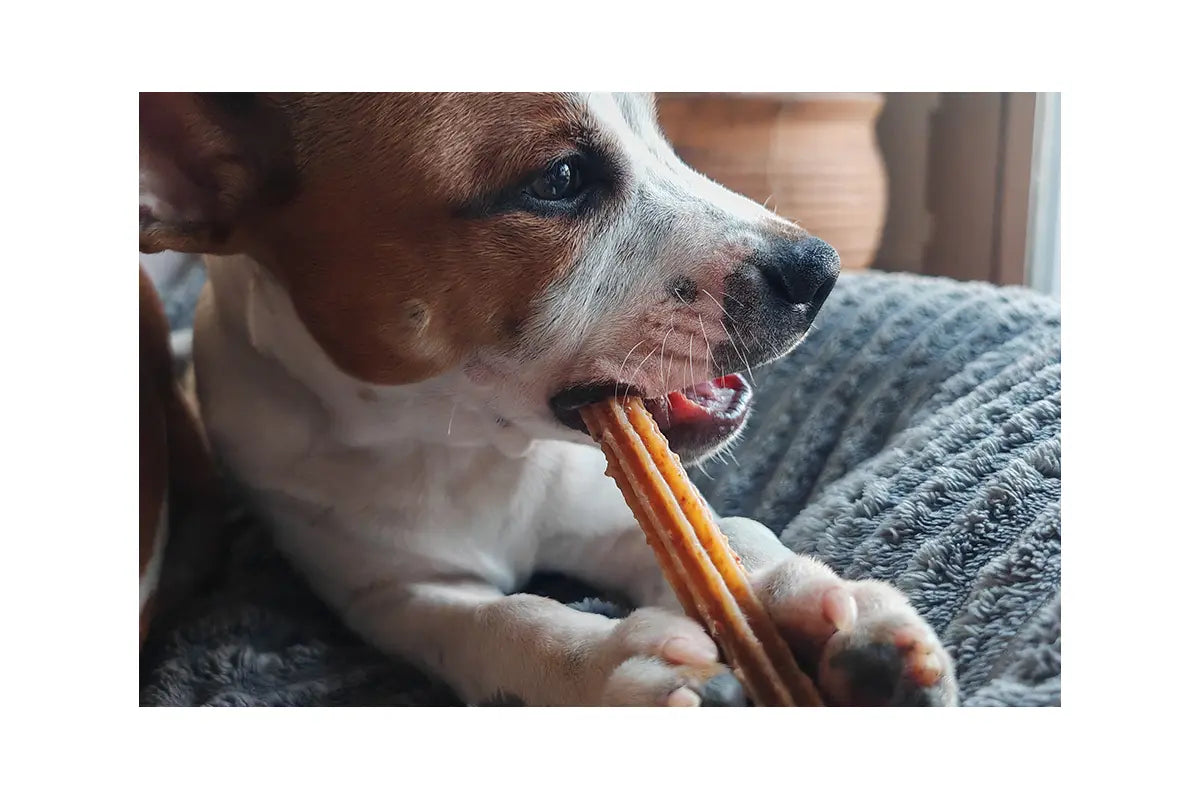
(208, 162)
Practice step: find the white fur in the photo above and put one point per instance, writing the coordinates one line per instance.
(378, 499)
(417, 510)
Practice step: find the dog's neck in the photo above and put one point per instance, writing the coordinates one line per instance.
(447, 411)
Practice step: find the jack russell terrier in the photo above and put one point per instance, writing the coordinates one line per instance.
(411, 294)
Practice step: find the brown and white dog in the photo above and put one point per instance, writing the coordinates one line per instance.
(179, 493)
(411, 293)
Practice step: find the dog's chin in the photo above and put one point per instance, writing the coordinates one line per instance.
(698, 420)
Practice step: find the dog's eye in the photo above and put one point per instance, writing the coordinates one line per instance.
(562, 180)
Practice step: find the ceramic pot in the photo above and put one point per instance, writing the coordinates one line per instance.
(812, 158)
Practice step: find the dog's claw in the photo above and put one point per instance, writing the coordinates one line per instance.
(682, 697)
(839, 608)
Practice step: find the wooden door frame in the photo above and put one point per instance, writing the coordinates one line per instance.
(960, 169)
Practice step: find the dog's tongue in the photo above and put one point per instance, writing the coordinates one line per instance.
(700, 403)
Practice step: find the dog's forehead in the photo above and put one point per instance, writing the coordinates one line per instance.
(500, 136)
(629, 121)
(468, 139)
(617, 111)
(441, 141)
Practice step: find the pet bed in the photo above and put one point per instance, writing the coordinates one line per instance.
(913, 438)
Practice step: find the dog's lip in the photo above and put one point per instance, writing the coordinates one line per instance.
(693, 418)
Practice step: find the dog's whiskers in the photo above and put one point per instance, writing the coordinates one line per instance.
(707, 346)
(691, 364)
(621, 369)
(745, 353)
(745, 361)
(718, 302)
(662, 375)
(725, 314)
(636, 371)
(450, 424)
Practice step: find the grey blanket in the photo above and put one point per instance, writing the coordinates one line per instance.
(914, 438)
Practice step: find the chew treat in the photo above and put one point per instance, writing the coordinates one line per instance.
(703, 571)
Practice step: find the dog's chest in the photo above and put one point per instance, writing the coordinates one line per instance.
(435, 510)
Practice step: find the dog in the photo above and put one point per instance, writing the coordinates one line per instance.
(410, 297)
(179, 493)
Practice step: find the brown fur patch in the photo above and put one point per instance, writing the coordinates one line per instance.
(387, 273)
(373, 240)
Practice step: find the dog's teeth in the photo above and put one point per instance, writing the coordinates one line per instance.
(683, 696)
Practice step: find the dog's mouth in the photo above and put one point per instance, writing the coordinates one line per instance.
(695, 419)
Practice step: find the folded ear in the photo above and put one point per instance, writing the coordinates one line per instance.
(208, 162)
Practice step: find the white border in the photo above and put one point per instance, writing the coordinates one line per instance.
(1129, 188)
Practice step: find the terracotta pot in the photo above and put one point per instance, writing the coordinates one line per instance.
(812, 158)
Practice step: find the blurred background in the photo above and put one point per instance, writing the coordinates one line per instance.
(964, 185)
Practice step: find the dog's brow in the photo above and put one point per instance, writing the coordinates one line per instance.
(604, 165)
(638, 109)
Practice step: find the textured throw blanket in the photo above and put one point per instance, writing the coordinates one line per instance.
(914, 438)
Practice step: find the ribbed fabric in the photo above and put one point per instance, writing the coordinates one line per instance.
(914, 437)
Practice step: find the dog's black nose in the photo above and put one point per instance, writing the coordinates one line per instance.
(802, 272)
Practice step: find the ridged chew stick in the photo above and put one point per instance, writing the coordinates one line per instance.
(705, 574)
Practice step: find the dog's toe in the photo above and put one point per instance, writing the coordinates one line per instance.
(664, 659)
(722, 689)
(887, 662)
(652, 681)
(862, 640)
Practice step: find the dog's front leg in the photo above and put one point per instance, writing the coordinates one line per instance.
(861, 640)
(489, 646)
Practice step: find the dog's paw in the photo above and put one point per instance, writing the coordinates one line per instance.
(862, 641)
(664, 659)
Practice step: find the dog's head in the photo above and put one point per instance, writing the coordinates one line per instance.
(550, 248)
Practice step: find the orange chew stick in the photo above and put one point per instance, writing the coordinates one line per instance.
(705, 574)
